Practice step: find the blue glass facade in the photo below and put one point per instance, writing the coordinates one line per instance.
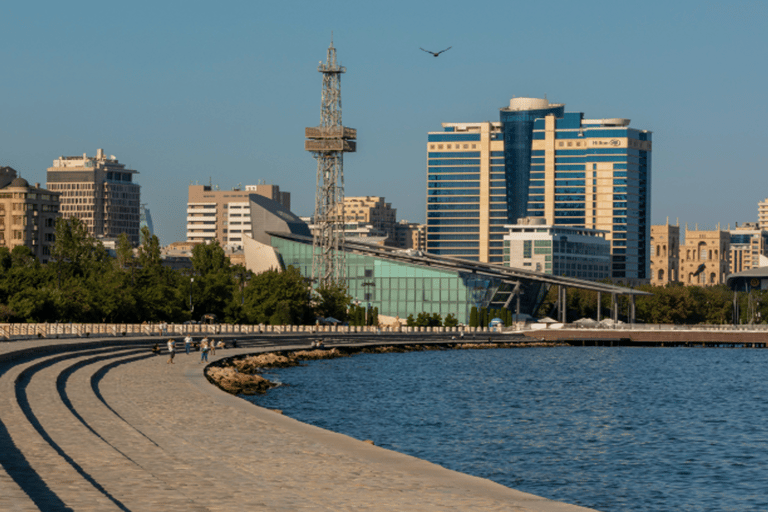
(517, 127)
(594, 174)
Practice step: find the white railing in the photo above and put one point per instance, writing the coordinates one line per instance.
(69, 330)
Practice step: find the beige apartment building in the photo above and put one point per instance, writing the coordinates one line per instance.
(749, 247)
(373, 210)
(665, 254)
(27, 215)
(99, 191)
(762, 215)
(225, 215)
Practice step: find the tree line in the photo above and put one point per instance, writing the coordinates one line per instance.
(82, 283)
(674, 303)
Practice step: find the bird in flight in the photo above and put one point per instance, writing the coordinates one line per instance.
(436, 53)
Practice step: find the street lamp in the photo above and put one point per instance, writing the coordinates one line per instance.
(368, 297)
(191, 307)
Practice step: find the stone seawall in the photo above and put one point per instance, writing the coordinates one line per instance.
(659, 338)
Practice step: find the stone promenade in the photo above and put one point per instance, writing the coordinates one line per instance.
(103, 425)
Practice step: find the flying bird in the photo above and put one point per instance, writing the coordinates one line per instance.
(436, 53)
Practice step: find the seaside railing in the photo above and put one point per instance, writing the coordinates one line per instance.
(14, 331)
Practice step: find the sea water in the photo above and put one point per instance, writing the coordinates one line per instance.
(614, 429)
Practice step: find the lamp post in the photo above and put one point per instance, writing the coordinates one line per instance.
(368, 297)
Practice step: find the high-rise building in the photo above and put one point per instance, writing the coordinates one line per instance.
(146, 220)
(224, 215)
(100, 192)
(539, 161)
(27, 215)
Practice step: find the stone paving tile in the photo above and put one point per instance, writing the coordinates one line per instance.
(168, 440)
(61, 485)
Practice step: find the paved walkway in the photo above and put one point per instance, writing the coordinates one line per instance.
(102, 427)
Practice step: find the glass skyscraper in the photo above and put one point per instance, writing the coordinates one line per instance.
(539, 161)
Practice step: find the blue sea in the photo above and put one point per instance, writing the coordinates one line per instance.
(614, 429)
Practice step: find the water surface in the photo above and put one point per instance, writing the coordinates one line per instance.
(611, 428)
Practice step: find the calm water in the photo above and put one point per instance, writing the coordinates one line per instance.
(615, 429)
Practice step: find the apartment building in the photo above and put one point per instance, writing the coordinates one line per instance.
(225, 215)
(27, 215)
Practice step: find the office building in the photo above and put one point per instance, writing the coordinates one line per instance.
(582, 253)
(540, 161)
(27, 215)
(225, 215)
(100, 192)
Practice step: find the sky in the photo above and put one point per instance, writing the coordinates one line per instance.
(220, 92)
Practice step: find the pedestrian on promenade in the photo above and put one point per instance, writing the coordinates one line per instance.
(213, 347)
(204, 350)
(187, 343)
(171, 350)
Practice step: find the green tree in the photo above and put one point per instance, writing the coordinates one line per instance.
(269, 291)
(333, 301)
(450, 320)
(473, 317)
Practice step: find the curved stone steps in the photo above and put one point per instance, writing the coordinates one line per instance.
(157, 481)
(37, 466)
(114, 428)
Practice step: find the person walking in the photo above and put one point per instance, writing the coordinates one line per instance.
(204, 350)
(213, 347)
(171, 350)
(187, 343)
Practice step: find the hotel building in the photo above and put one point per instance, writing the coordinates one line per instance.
(100, 192)
(539, 161)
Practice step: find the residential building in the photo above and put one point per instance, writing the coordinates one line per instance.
(99, 191)
(566, 251)
(762, 215)
(372, 210)
(704, 257)
(665, 254)
(749, 247)
(410, 235)
(27, 215)
(540, 161)
(225, 215)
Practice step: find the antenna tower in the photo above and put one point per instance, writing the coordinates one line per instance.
(328, 143)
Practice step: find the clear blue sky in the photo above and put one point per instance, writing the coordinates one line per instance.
(221, 91)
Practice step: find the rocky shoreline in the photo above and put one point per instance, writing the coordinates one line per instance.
(240, 375)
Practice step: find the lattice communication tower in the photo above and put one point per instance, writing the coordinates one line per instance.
(328, 143)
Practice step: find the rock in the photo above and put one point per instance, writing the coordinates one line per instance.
(237, 383)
